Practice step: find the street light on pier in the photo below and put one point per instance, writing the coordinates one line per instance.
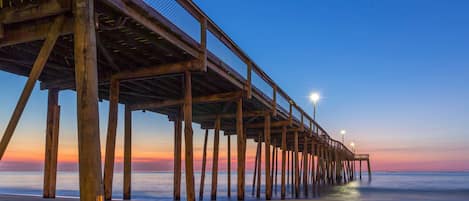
(352, 144)
(342, 133)
(314, 97)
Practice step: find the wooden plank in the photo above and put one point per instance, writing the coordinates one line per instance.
(216, 148)
(268, 188)
(34, 11)
(86, 78)
(188, 136)
(241, 143)
(33, 31)
(284, 153)
(127, 153)
(178, 156)
(152, 20)
(111, 139)
(204, 164)
(52, 137)
(213, 98)
(36, 71)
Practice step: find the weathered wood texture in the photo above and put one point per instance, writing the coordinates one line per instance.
(52, 143)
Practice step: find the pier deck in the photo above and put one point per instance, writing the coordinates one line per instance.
(128, 52)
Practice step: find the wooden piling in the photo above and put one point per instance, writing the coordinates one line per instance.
(284, 153)
(188, 136)
(127, 153)
(241, 142)
(297, 170)
(177, 156)
(360, 169)
(305, 165)
(255, 166)
(229, 165)
(111, 139)
(86, 78)
(216, 146)
(369, 169)
(204, 164)
(52, 142)
(276, 169)
(268, 182)
(259, 168)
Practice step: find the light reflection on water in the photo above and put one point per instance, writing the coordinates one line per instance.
(385, 186)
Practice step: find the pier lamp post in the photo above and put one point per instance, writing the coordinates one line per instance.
(352, 144)
(314, 97)
(342, 133)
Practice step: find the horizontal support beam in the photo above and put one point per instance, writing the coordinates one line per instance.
(158, 70)
(31, 31)
(221, 97)
(34, 11)
(231, 116)
(272, 125)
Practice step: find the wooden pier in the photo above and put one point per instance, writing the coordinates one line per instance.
(127, 52)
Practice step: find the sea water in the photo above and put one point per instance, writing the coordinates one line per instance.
(384, 186)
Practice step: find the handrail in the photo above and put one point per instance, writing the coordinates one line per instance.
(207, 24)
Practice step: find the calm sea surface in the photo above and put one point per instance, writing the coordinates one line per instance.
(385, 186)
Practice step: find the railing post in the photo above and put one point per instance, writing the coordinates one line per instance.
(274, 101)
(249, 80)
(203, 43)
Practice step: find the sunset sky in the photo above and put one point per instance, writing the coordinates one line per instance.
(394, 74)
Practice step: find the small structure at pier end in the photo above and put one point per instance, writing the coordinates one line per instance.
(130, 52)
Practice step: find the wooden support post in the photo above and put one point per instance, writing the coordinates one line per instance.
(178, 156)
(188, 136)
(276, 169)
(305, 165)
(360, 169)
(111, 139)
(52, 142)
(204, 164)
(313, 181)
(86, 78)
(248, 80)
(127, 152)
(203, 43)
(284, 152)
(369, 169)
(292, 179)
(268, 182)
(229, 165)
(241, 141)
(297, 170)
(216, 147)
(259, 169)
(288, 170)
(255, 167)
(34, 74)
(272, 171)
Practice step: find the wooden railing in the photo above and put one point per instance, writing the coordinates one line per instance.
(276, 95)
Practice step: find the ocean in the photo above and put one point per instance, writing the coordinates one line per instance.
(384, 186)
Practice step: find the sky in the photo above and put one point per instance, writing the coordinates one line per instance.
(394, 74)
